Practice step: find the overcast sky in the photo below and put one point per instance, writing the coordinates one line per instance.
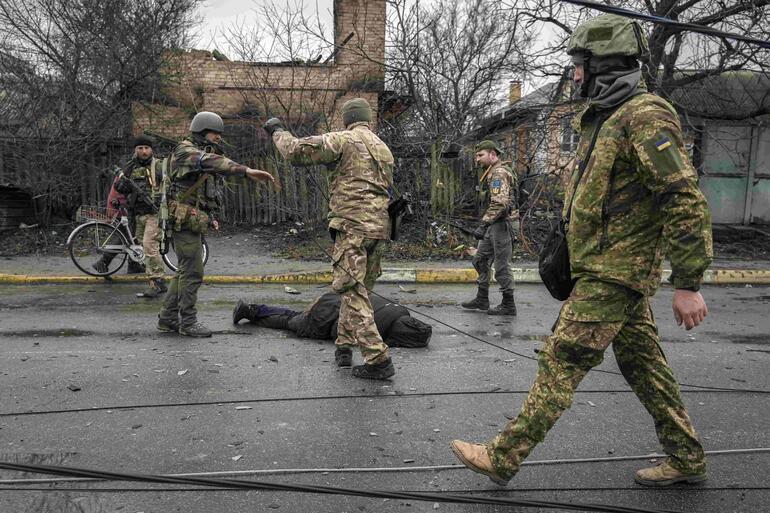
(220, 14)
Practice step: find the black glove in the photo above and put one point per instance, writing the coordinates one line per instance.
(479, 232)
(273, 125)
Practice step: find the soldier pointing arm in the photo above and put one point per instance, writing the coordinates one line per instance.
(194, 164)
(358, 220)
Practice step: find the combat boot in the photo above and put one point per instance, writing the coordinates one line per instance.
(343, 356)
(135, 268)
(476, 458)
(241, 311)
(197, 330)
(664, 474)
(100, 266)
(382, 370)
(156, 288)
(507, 307)
(165, 326)
(480, 302)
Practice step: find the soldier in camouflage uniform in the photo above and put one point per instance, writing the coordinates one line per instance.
(193, 167)
(635, 195)
(495, 233)
(140, 181)
(358, 219)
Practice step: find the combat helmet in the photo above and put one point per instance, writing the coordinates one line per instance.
(205, 120)
(609, 35)
(356, 110)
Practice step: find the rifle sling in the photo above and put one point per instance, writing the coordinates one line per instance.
(194, 187)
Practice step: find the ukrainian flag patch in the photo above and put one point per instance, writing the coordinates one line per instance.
(496, 184)
(663, 144)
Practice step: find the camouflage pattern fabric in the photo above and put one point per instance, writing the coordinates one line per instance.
(356, 267)
(500, 191)
(182, 295)
(638, 198)
(148, 234)
(360, 181)
(188, 162)
(495, 248)
(599, 314)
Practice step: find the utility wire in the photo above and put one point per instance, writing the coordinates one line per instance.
(334, 398)
(362, 470)
(326, 490)
(660, 20)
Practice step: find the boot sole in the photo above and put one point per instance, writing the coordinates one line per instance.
(195, 335)
(668, 482)
(498, 481)
(165, 329)
(475, 308)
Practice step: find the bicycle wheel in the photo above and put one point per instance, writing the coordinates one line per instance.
(170, 258)
(97, 248)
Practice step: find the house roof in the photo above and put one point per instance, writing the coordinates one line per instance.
(527, 107)
(734, 95)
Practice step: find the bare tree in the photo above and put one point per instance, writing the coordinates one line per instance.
(678, 58)
(69, 74)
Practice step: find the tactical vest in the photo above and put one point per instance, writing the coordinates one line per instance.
(185, 173)
(146, 179)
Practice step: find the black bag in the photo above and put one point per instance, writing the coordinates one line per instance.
(554, 264)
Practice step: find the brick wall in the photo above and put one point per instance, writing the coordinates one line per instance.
(243, 92)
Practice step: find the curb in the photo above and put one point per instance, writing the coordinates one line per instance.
(393, 275)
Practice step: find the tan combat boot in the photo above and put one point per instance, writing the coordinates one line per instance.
(664, 474)
(475, 457)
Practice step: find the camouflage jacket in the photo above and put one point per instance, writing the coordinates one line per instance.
(143, 193)
(638, 199)
(360, 181)
(188, 164)
(499, 194)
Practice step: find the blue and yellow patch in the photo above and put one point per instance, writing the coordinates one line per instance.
(663, 144)
(495, 187)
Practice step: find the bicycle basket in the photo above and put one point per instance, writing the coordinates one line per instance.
(93, 213)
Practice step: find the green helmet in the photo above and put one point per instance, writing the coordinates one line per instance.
(207, 121)
(489, 144)
(610, 35)
(356, 110)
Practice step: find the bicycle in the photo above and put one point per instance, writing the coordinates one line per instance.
(104, 237)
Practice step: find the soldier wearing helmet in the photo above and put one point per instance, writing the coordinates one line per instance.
(633, 198)
(359, 222)
(193, 167)
(495, 233)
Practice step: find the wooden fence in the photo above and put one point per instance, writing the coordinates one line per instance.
(61, 181)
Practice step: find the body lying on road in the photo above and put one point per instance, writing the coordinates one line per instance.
(319, 320)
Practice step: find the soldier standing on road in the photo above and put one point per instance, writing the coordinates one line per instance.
(193, 166)
(495, 233)
(359, 222)
(635, 193)
(140, 182)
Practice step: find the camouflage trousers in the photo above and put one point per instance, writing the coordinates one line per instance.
(596, 315)
(148, 234)
(182, 295)
(495, 249)
(356, 267)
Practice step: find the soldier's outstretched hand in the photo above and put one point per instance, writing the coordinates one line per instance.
(689, 308)
(259, 176)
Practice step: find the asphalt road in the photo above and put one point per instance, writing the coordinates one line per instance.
(86, 381)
